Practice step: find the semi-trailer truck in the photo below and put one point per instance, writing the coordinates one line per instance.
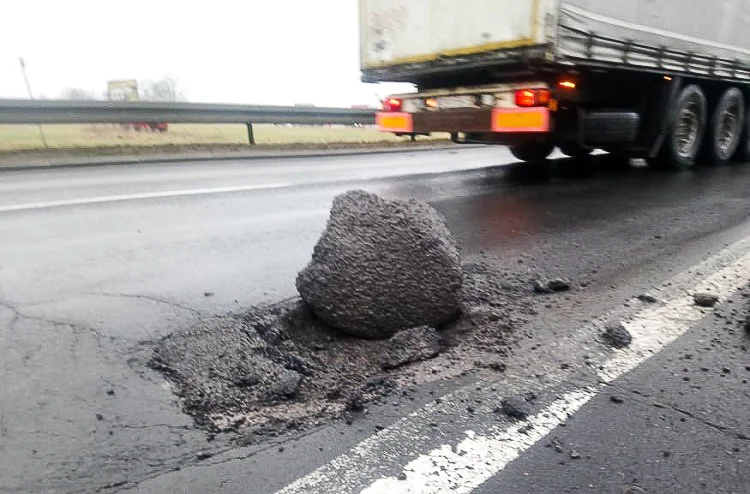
(663, 80)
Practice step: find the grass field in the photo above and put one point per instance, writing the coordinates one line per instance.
(26, 137)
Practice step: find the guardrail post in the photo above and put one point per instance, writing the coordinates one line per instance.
(250, 134)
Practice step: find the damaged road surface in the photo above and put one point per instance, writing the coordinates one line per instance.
(90, 290)
(385, 288)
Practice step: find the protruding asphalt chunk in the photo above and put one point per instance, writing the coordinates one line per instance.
(383, 266)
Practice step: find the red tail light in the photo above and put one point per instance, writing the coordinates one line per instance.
(525, 97)
(532, 97)
(393, 104)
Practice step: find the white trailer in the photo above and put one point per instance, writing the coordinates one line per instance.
(662, 79)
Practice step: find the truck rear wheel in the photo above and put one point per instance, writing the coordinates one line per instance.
(743, 149)
(726, 127)
(681, 147)
(532, 152)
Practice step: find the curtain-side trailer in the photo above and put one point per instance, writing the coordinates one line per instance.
(665, 80)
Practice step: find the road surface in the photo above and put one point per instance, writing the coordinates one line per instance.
(98, 262)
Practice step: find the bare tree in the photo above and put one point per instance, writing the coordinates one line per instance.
(77, 93)
(165, 89)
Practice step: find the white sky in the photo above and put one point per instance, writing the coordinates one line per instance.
(234, 51)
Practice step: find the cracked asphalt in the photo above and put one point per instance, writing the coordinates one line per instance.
(85, 289)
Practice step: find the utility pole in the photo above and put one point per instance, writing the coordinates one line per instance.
(31, 96)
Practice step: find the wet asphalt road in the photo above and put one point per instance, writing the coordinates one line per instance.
(97, 262)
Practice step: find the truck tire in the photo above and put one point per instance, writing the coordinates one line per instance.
(683, 143)
(726, 127)
(742, 154)
(532, 152)
(574, 150)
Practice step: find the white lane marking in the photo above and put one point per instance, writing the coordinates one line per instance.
(653, 329)
(144, 195)
(477, 458)
(440, 471)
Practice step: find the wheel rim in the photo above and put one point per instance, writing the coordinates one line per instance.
(688, 127)
(728, 129)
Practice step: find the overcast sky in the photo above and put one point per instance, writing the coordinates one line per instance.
(235, 51)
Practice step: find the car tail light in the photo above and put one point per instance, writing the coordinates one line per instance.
(532, 97)
(393, 104)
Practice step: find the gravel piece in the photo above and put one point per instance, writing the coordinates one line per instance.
(287, 386)
(411, 345)
(559, 285)
(541, 286)
(648, 299)
(515, 407)
(383, 266)
(616, 336)
(247, 379)
(556, 285)
(705, 299)
(355, 402)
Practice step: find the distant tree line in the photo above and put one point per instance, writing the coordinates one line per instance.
(164, 89)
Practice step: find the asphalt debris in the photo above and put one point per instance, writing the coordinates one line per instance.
(556, 444)
(411, 345)
(617, 336)
(559, 285)
(267, 370)
(705, 299)
(515, 407)
(543, 286)
(540, 286)
(647, 298)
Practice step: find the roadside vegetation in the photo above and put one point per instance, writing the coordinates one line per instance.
(15, 138)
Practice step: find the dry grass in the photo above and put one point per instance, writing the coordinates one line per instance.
(26, 137)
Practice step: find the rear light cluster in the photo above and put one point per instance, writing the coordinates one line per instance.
(526, 98)
(393, 104)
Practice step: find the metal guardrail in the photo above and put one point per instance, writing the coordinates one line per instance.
(14, 111)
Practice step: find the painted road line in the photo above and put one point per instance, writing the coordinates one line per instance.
(135, 197)
(655, 328)
(463, 467)
(476, 459)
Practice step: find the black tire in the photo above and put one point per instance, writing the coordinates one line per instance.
(690, 115)
(532, 152)
(742, 154)
(574, 150)
(725, 128)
